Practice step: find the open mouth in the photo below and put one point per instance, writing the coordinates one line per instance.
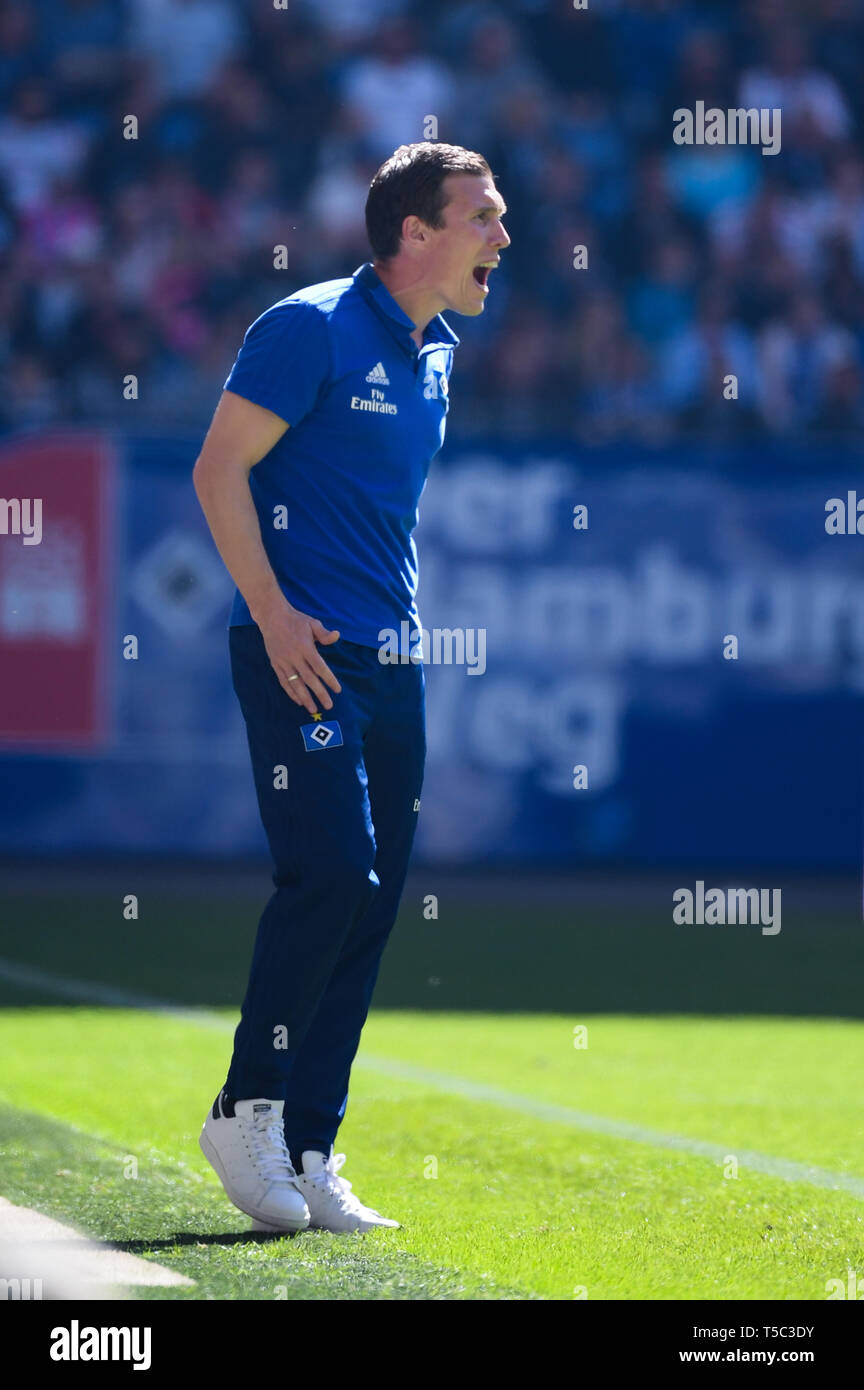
(481, 273)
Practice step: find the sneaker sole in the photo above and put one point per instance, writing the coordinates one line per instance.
(265, 1228)
(212, 1157)
(382, 1225)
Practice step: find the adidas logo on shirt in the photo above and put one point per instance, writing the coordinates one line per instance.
(376, 403)
(378, 376)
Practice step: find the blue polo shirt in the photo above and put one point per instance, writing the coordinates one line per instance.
(337, 496)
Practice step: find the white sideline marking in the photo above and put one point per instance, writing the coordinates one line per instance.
(35, 1246)
(786, 1169)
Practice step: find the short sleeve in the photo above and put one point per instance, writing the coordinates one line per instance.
(284, 360)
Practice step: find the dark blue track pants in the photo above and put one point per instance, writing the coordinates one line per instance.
(340, 833)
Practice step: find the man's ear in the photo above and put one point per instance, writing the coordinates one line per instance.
(414, 231)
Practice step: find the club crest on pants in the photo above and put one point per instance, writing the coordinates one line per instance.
(324, 734)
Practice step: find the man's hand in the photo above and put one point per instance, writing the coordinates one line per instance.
(290, 638)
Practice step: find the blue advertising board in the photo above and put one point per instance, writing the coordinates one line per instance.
(638, 661)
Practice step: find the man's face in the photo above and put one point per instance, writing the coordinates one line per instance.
(472, 234)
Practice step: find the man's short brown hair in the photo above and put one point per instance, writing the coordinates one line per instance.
(411, 182)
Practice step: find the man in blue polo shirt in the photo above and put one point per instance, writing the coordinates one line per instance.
(310, 478)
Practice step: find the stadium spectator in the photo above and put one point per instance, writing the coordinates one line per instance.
(260, 127)
(799, 358)
(394, 87)
(36, 146)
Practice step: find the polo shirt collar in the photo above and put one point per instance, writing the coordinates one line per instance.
(437, 329)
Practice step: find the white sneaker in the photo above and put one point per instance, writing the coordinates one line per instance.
(249, 1155)
(332, 1204)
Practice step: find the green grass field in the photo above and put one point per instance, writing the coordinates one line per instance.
(521, 1167)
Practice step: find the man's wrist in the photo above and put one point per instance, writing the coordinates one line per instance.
(264, 608)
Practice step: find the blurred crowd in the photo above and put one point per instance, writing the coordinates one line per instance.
(259, 123)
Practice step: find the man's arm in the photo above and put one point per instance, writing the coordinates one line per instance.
(240, 434)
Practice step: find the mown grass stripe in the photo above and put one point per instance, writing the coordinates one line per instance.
(786, 1169)
(171, 1213)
